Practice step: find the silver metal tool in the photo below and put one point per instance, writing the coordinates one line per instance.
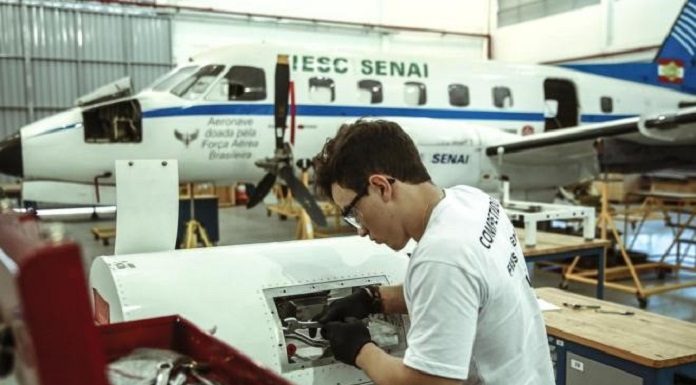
(164, 370)
(292, 324)
(201, 379)
(619, 312)
(179, 379)
(579, 306)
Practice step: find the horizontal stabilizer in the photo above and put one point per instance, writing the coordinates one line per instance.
(657, 134)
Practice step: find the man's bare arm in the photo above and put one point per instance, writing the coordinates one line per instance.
(393, 299)
(385, 369)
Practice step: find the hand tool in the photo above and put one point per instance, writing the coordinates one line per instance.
(615, 312)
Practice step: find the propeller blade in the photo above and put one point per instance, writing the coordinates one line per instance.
(303, 196)
(282, 86)
(262, 190)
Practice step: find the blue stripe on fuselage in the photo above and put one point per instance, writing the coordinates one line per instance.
(351, 111)
(342, 111)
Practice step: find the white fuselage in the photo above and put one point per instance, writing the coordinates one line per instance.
(451, 107)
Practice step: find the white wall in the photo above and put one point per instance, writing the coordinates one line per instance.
(453, 15)
(611, 26)
(194, 32)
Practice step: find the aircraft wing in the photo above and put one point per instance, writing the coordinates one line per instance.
(632, 144)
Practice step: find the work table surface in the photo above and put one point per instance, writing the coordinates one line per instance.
(552, 243)
(646, 338)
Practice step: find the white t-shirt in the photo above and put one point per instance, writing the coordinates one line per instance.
(473, 312)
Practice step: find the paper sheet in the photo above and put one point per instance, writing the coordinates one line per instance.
(547, 306)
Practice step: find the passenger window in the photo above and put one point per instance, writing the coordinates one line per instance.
(414, 93)
(240, 83)
(370, 91)
(607, 104)
(502, 97)
(458, 95)
(196, 84)
(322, 90)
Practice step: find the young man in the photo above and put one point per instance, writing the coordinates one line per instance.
(474, 316)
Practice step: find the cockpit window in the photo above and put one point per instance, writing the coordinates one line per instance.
(172, 77)
(196, 84)
(240, 83)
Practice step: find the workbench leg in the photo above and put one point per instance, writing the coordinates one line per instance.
(559, 348)
(601, 260)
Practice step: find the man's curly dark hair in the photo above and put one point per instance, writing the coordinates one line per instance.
(364, 148)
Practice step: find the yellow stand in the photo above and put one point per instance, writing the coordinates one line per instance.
(194, 232)
(305, 227)
(194, 229)
(288, 208)
(608, 227)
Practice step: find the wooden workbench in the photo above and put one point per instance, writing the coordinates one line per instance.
(552, 246)
(649, 345)
(552, 243)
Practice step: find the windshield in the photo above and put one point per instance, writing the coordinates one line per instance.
(196, 84)
(172, 77)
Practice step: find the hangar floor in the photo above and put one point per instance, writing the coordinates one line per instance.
(239, 225)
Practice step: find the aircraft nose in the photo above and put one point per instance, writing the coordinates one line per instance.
(11, 156)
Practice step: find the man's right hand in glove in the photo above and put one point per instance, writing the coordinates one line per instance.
(346, 339)
(357, 305)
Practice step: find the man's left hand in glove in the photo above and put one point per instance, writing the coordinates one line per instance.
(346, 339)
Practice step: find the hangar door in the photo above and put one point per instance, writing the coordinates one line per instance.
(52, 52)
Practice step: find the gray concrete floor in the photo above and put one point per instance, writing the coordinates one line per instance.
(239, 226)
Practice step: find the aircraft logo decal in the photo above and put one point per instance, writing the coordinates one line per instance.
(186, 138)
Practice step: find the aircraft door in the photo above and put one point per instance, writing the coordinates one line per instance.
(561, 106)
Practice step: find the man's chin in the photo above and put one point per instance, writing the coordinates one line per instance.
(396, 246)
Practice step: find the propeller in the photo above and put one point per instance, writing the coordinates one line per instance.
(281, 162)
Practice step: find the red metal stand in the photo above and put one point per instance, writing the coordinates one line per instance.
(45, 301)
(47, 308)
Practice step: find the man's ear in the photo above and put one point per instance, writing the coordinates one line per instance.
(381, 182)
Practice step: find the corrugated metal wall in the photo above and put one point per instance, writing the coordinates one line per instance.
(53, 52)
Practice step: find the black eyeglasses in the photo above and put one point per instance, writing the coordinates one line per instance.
(349, 214)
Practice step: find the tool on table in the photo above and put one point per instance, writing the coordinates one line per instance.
(578, 306)
(619, 312)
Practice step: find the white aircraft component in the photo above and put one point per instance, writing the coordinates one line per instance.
(243, 293)
(155, 231)
(120, 88)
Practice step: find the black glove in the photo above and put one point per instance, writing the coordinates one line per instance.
(346, 339)
(357, 305)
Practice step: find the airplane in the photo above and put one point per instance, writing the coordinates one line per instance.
(215, 115)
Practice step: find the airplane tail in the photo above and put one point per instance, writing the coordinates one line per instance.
(673, 67)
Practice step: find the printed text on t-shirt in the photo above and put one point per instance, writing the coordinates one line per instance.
(491, 225)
